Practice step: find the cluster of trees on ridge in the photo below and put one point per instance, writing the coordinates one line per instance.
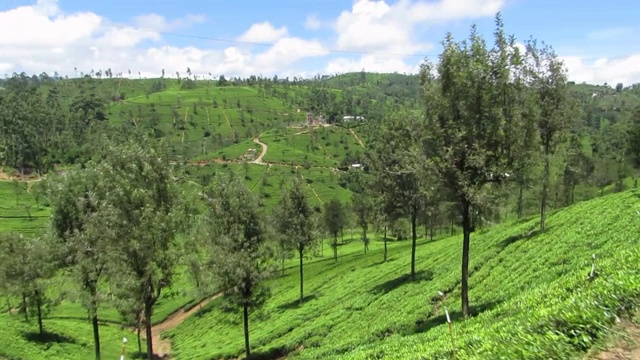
(493, 120)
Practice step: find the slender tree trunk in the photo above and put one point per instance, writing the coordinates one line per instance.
(300, 250)
(431, 226)
(466, 229)
(414, 238)
(364, 239)
(452, 225)
(545, 189)
(573, 191)
(385, 243)
(335, 247)
(24, 307)
(147, 325)
(39, 308)
(139, 340)
(247, 349)
(93, 312)
(96, 334)
(520, 200)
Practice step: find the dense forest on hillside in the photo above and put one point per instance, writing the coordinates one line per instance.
(126, 201)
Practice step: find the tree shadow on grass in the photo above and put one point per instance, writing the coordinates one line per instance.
(523, 236)
(271, 354)
(387, 286)
(296, 303)
(48, 338)
(378, 263)
(424, 325)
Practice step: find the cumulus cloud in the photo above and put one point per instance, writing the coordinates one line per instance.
(263, 32)
(388, 30)
(624, 70)
(43, 38)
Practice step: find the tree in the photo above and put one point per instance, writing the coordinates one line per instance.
(578, 167)
(334, 221)
(362, 207)
(472, 113)
(147, 212)
(28, 265)
(296, 223)
(634, 138)
(549, 82)
(238, 248)
(81, 226)
(394, 156)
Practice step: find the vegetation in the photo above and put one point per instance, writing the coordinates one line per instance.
(126, 203)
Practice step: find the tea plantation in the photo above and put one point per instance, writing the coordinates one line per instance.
(531, 295)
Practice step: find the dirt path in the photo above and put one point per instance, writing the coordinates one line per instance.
(312, 189)
(162, 347)
(625, 348)
(265, 147)
(226, 117)
(355, 136)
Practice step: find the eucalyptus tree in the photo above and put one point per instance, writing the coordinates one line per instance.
(473, 106)
(548, 82)
(145, 202)
(394, 157)
(334, 221)
(81, 225)
(238, 248)
(296, 223)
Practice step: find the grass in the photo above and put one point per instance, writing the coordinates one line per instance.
(64, 339)
(529, 294)
(19, 210)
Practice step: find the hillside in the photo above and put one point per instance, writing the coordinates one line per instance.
(530, 293)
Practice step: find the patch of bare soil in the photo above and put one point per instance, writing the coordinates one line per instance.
(264, 146)
(626, 347)
(162, 347)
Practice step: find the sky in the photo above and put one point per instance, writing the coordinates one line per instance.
(596, 39)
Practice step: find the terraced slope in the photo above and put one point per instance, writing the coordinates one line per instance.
(529, 293)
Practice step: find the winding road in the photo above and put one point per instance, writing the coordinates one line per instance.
(162, 347)
(265, 147)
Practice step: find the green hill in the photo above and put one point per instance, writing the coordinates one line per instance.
(530, 294)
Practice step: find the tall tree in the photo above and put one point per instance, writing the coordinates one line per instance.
(239, 248)
(29, 264)
(549, 84)
(146, 207)
(362, 207)
(296, 223)
(393, 156)
(80, 225)
(334, 222)
(472, 115)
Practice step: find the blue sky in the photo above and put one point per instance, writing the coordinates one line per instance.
(595, 38)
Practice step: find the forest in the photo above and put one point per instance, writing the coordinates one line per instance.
(127, 201)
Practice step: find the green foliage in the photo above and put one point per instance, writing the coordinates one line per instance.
(238, 253)
(334, 222)
(531, 295)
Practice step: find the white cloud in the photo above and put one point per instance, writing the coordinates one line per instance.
(624, 70)
(312, 22)
(447, 10)
(263, 32)
(374, 63)
(42, 38)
